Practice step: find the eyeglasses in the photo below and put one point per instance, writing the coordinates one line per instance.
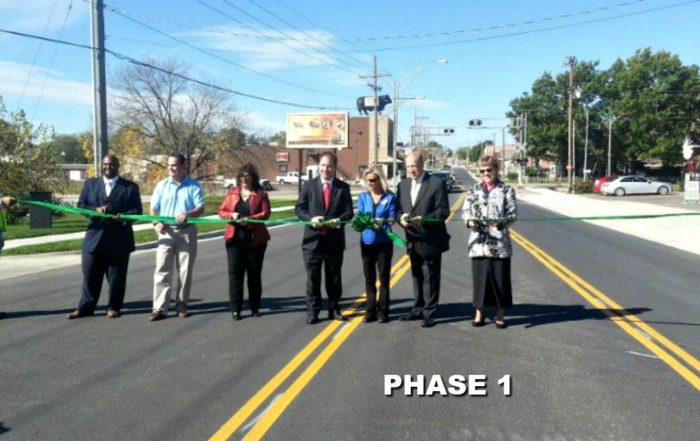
(485, 170)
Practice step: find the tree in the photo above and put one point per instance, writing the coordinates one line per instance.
(655, 99)
(27, 160)
(173, 114)
(461, 153)
(68, 149)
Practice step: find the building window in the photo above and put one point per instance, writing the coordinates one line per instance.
(282, 168)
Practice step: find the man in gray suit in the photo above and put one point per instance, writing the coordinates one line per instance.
(421, 197)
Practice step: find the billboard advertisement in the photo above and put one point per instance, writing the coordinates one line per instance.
(317, 130)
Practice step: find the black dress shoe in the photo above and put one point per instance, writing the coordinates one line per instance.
(502, 325)
(340, 317)
(237, 315)
(428, 323)
(383, 319)
(409, 317)
(369, 318)
(478, 324)
(2, 315)
(311, 320)
(257, 314)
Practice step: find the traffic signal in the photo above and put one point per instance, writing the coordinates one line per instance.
(448, 131)
(474, 122)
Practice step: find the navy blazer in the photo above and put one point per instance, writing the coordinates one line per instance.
(124, 199)
(430, 238)
(310, 204)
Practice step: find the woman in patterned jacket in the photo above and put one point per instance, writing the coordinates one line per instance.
(490, 208)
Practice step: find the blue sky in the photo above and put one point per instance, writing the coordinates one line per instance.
(333, 45)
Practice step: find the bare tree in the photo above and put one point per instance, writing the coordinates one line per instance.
(174, 113)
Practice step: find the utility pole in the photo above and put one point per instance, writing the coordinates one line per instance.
(375, 88)
(571, 62)
(395, 134)
(99, 117)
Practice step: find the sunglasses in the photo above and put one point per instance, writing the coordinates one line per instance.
(372, 180)
(485, 170)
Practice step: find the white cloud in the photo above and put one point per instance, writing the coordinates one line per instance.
(277, 52)
(263, 123)
(40, 15)
(56, 88)
(430, 104)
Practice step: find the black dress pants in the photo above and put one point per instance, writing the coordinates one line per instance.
(330, 259)
(426, 284)
(244, 259)
(103, 261)
(375, 258)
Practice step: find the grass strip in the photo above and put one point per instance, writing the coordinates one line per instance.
(142, 236)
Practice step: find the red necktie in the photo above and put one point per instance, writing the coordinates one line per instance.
(326, 202)
(327, 195)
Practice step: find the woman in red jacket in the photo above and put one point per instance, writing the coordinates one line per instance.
(245, 242)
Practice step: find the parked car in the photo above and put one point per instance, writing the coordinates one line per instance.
(264, 183)
(598, 183)
(623, 185)
(445, 176)
(291, 177)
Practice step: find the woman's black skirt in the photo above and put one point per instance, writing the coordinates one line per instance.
(491, 282)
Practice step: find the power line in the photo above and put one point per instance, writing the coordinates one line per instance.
(283, 42)
(36, 55)
(175, 74)
(243, 11)
(225, 60)
(489, 28)
(361, 63)
(532, 31)
(51, 61)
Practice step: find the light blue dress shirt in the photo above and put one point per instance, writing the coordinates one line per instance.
(171, 198)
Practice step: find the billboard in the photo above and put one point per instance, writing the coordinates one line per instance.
(317, 130)
(282, 156)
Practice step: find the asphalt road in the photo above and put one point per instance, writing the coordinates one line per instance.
(575, 373)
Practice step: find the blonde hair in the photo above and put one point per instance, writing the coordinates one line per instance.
(379, 173)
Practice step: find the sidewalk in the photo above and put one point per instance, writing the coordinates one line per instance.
(678, 232)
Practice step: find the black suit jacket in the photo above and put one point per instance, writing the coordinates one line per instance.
(430, 238)
(310, 204)
(124, 199)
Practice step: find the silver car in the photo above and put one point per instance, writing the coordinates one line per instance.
(623, 185)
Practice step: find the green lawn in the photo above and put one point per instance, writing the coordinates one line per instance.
(71, 223)
(140, 236)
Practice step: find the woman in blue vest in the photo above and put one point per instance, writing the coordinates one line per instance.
(377, 248)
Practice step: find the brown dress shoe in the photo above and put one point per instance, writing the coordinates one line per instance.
(111, 313)
(156, 315)
(76, 314)
(183, 313)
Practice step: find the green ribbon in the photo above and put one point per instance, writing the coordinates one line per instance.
(359, 221)
(363, 221)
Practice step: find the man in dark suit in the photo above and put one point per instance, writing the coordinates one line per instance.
(324, 198)
(421, 197)
(108, 241)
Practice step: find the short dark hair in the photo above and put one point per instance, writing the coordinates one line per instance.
(250, 170)
(179, 156)
(331, 156)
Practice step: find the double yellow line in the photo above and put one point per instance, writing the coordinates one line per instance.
(654, 341)
(280, 405)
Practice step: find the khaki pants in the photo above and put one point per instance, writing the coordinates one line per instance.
(175, 256)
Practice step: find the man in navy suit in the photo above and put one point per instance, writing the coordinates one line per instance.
(108, 241)
(423, 196)
(324, 198)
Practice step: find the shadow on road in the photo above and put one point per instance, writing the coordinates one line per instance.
(529, 315)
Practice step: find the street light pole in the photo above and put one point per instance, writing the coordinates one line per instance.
(610, 123)
(397, 90)
(585, 148)
(571, 62)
